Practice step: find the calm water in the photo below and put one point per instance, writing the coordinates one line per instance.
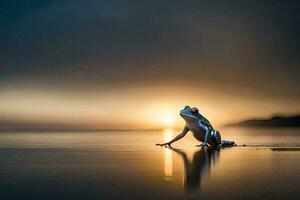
(127, 165)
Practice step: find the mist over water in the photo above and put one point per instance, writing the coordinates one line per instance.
(127, 164)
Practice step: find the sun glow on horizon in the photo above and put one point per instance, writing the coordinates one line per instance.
(26, 107)
(164, 114)
(168, 121)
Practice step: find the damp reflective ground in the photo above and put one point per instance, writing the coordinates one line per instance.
(128, 165)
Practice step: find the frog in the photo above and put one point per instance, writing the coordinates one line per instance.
(201, 129)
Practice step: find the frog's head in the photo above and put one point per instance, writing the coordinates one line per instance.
(189, 114)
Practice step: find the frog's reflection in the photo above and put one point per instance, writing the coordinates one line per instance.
(196, 168)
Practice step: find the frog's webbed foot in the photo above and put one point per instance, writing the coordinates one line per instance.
(203, 145)
(164, 144)
(199, 145)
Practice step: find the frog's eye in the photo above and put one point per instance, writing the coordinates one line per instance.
(187, 107)
(195, 110)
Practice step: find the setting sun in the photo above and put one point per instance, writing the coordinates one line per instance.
(164, 115)
(168, 121)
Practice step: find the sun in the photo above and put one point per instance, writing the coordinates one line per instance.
(168, 121)
(164, 115)
(165, 119)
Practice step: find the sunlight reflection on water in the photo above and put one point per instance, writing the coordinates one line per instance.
(168, 157)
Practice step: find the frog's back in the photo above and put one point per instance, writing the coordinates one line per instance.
(205, 121)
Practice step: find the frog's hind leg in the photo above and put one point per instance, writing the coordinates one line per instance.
(226, 143)
(199, 138)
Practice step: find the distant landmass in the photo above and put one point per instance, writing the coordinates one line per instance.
(276, 121)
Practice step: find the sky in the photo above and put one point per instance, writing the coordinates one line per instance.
(133, 64)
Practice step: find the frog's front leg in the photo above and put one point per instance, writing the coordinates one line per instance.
(178, 137)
